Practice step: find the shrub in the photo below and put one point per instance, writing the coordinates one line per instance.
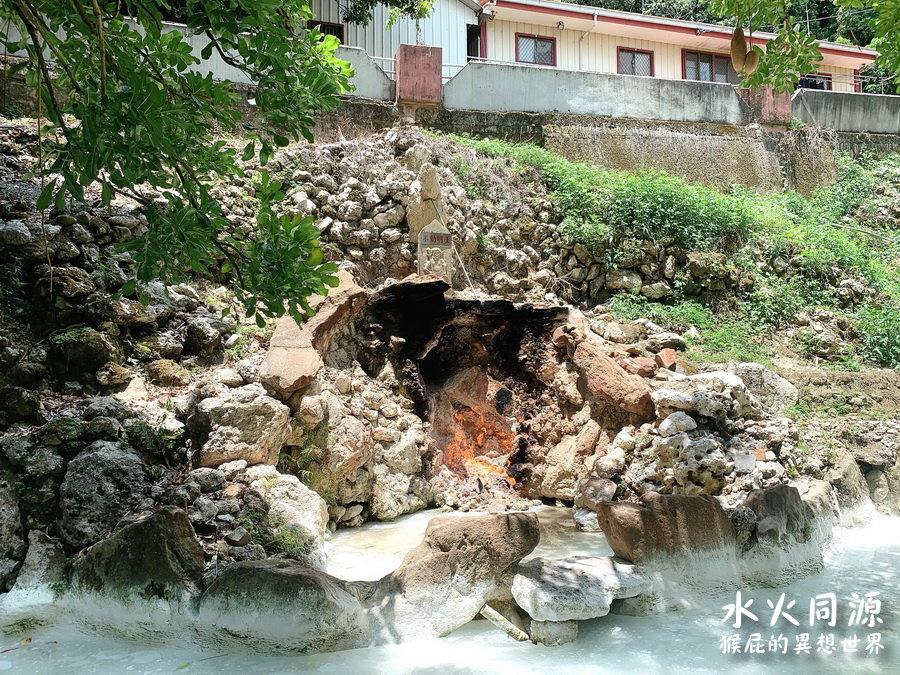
(602, 207)
(880, 328)
(681, 316)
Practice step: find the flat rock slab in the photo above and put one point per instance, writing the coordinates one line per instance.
(575, 588)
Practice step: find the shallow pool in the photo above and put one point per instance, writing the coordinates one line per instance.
(862, 560)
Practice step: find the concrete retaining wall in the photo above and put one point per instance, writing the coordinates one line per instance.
(369, 79)
(507, 88)
(859, 113)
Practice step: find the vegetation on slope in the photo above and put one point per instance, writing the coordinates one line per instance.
(814, 242)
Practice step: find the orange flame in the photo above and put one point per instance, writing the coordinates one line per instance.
(479, 447)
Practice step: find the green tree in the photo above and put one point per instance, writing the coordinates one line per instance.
(129, 112)
(792, 53)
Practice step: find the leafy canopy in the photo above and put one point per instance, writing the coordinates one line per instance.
(128, 112)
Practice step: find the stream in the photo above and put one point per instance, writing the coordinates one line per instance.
(49, 639)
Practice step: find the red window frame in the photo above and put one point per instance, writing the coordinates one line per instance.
(620, 49)
(685, 50)
(313, 23)
(538, 37)
(857, 81)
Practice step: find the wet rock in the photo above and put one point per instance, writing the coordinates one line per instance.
(298, 516)
(782, 518)
(283, 605)
(585, 520)
(157, 558)
(574, 588)
(242, 423)
(445, 581)
(44, 565)
(12, 542)
(553, 633)
(848, 481)
(665, 525)
(102, 484)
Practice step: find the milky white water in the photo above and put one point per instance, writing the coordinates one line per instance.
(688, 641)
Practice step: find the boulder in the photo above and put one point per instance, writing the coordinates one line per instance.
(81, 351)
(293, 359)
(626, 280)
(241, 423)
(575, 588)
(155, 558)
(591, 490)
(676, 423)
(567, 462)
(283, 605)
(848, 481)
(605, 378)
(168, 373)
(773, 391)
(297, 515)
(553, 633)
(44, 567)
(102, 485)
(665, 525)
(12, 542)
(445, 581)
(782, 517)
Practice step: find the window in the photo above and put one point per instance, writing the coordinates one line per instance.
(326, 28)
(708, 67)
(815, 81)
(536, 49)
(635, 62)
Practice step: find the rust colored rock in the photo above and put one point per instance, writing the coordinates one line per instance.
(665, 525)
(294, 357)
(640, 365)
(608, 380)
(667, 358)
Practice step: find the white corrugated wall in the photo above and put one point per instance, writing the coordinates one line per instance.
(445, 28)
(598, 51)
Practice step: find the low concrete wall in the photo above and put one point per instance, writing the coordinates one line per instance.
(369, 79)
(860, 113)
(508, 88)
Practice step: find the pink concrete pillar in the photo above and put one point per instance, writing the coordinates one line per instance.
(768, 106)
(418, 76)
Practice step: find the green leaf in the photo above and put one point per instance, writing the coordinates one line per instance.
(46, 196)
(249, 151)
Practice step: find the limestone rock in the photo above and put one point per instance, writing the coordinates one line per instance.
(44, 565)
(294, 356)
(168, 373)
(283, 605)
(665, 525)
(156, 558)
(782, 517)
(606, 379)
(296, 513)
(578, 587)
(102, 484)
(773, 391)
(242, 423)
(12, 542)
(677, 423)
(553, 633)
(445, 581)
